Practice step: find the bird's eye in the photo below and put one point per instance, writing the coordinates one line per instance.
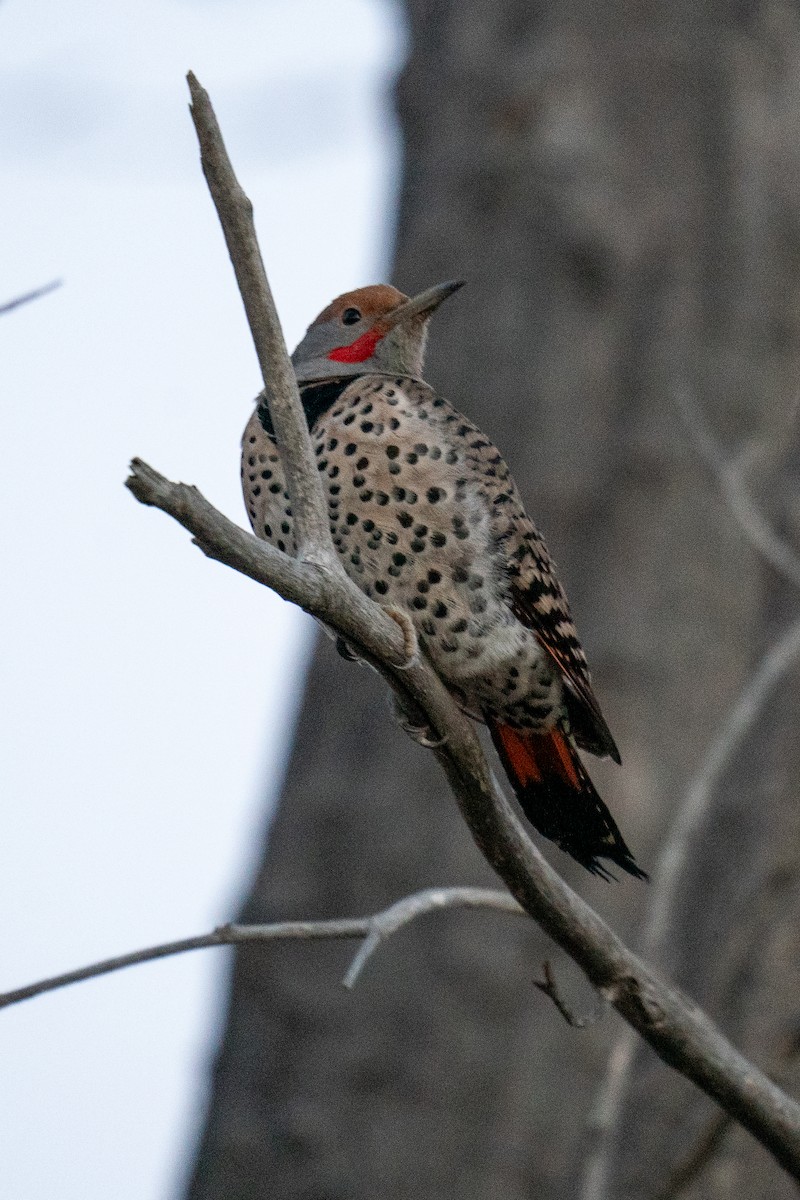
(351, 316)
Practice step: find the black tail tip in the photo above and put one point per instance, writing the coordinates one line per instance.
(593, 837)
(624, 860)
(589, 846)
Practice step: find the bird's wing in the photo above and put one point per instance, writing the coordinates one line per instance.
(538, 599)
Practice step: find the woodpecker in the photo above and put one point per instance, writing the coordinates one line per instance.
(429, 522)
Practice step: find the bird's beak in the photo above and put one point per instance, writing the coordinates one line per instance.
(423, 304)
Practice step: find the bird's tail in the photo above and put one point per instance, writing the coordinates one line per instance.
(559, 799)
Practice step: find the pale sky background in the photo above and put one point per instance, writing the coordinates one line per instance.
(147, 693)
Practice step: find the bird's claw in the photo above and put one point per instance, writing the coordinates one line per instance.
(410, 643)
(346, 651)
(423, 735)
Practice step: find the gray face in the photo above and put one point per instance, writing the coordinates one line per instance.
(400, 351)
(385, 329)
(321, 340)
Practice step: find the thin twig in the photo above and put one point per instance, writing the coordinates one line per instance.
(781, 556)
(781, 658)
(549, 986)
(27, 297)
(677, 1029)
(386, 923)
(393, 918)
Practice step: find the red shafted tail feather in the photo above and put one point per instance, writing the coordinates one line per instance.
(558, 797)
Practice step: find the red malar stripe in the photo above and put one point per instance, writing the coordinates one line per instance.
(360, 350)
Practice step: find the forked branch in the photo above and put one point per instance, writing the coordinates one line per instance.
(374, 930)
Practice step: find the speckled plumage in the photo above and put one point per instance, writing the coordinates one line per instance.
(427, 519)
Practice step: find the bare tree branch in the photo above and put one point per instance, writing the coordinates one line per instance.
(675, 1027)
(549, 986)
(782, 557)
(236, 217)
(698, 1157)
(713, 1133)
(386, 923)
(692, 810)
(27, 297)
(781, 658)
(375, 930)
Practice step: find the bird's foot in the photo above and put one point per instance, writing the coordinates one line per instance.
(410, 643)
(423, 734)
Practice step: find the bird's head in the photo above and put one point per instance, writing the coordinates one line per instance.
(373, 329)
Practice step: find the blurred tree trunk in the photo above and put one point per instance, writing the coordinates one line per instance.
(615, 185)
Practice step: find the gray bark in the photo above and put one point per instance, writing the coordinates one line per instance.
(618, 191)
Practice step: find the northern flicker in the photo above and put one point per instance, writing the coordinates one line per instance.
(429, 522)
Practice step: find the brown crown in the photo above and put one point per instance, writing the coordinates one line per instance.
(374, 301)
